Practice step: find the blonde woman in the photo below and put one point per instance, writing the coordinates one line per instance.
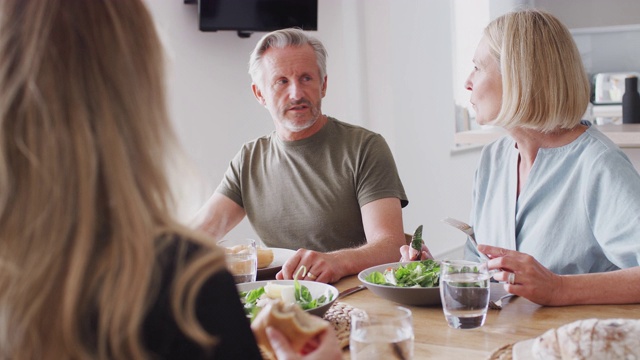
(92, 263)
(556, 204)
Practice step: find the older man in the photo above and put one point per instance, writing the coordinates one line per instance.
(316, 184)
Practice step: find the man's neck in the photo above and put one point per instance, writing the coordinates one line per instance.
(287, 135)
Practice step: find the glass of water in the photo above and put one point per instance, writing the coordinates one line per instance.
(464, 290)
(381, 334)
(241, 256)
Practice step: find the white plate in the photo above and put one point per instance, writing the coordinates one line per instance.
(280, 256)
(315, 288)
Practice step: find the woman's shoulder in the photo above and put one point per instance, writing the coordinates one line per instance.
(600, 142)
(168, 245)
(497, 149)
(175, 250)
(597, 148)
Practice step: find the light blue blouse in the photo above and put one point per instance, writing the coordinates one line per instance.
(579, 211)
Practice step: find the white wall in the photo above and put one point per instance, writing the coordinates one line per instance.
(390, 69)
(421, 99)
(209, 96)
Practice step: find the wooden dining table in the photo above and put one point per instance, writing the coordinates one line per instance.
(519, 319)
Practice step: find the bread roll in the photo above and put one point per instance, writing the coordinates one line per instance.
(590, 339)
(265, 257)
(295, 324)
(238, 249)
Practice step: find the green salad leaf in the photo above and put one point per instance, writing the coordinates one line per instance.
(376, 277)
(301, 293)
(416, 240)
(249, 299)
(425, 273)
(253, 295)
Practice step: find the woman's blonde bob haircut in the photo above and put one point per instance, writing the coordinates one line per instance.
(544, 84)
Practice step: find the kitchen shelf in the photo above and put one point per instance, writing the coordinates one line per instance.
(624, 135)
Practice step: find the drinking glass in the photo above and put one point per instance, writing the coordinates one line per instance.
(242, 258)
(464, 290)
(381, 334)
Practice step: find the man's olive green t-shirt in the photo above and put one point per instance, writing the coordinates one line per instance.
(308, 193)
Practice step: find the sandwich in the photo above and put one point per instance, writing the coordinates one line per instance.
(295, 324)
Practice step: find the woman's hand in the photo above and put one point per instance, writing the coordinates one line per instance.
(410, 254)
(323, 346)
(530, 279)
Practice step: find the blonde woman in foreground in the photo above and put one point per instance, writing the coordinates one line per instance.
(556, 204)
(92, 263)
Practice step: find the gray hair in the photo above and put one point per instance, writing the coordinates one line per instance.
(280, 39)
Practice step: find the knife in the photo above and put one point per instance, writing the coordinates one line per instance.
(350, 291)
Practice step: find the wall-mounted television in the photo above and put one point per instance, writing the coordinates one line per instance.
(246, 16)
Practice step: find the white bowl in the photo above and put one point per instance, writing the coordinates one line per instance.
(419, 296)
(315, 288)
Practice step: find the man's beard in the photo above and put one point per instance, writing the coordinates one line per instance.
(295, 126)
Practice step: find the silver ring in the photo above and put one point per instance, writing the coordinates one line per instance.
(311, 276)
(512, 278)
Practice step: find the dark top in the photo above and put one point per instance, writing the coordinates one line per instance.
(218, 309)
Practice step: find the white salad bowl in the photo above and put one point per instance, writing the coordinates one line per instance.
(316, 289)
(418, 296)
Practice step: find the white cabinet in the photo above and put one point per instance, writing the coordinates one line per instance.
(592, 13)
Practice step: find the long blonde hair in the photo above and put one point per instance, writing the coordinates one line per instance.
(84, 202)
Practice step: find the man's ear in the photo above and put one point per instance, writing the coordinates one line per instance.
(324, 86)
(258, 94)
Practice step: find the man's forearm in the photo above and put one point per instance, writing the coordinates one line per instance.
(352, 261)
(218, 216)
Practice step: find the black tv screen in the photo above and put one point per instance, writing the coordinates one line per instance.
(257, 15)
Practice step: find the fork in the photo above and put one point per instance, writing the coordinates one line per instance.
(462, 226)
(497, 305)
(465, 228)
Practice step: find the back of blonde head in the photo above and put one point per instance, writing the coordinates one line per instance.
(544, 84)
(83, 192)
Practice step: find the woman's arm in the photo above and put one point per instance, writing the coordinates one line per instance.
(614, 287)
(538, 284)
